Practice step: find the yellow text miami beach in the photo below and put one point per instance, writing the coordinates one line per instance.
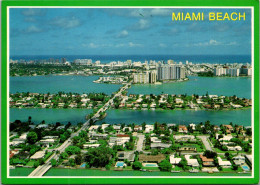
(212, 16)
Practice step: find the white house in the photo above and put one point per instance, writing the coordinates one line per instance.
(174, 160)
(224, 164)
(192, 162)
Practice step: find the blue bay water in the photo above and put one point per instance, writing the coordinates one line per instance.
(241, 117)
(240, 86)
(51, 116)
(227, 86)
(54, 84)
(221, 59)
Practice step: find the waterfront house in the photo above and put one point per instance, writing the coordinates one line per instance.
(60, 127)
(138, 128)
(178, 101)
(61, 105)
(127, 129)
(42, 126)
(183, 129)
(117, 127)
(193, 126)
(103, 126)
(228, 127)
(149, 128)
(216, 128)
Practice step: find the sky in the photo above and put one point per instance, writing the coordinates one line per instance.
(125, 31)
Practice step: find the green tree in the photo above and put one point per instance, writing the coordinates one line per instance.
(32, 137)
(78, 159)
(165, 165)
(53, 162)
(98, 157)
(72, 150)
(137, 165)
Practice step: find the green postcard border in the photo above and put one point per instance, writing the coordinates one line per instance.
(26, 180)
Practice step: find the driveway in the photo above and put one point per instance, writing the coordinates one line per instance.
(205, 142)
(139, 145)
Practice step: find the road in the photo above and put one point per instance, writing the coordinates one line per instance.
(206, 143)
(41, 170)
(139, 145)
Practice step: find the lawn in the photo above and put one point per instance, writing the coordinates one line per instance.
(30, 163)
(177, 168)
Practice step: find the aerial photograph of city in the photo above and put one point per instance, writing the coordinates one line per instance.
(130, 92)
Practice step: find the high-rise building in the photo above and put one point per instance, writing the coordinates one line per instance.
(145, 77)
(222, 71)
(83, 62)
(63, 60)
(141, 77)
(170, 72)
(152, 77)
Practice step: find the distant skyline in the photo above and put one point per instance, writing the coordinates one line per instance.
(122, 31)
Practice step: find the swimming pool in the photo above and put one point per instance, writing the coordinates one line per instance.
(120, 164)
(83, 165)
(150, 165)
(245, 168)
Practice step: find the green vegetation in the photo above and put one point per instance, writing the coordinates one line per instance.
(206, 74)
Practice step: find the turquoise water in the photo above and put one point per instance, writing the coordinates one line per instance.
(120, 164)
(54, 84)
(50, 115)
(20, 171)
(135, 116)
(151, 165)
(85, 172)
(83, 165)
(242, 117)
(245, 168)
(240, 86)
